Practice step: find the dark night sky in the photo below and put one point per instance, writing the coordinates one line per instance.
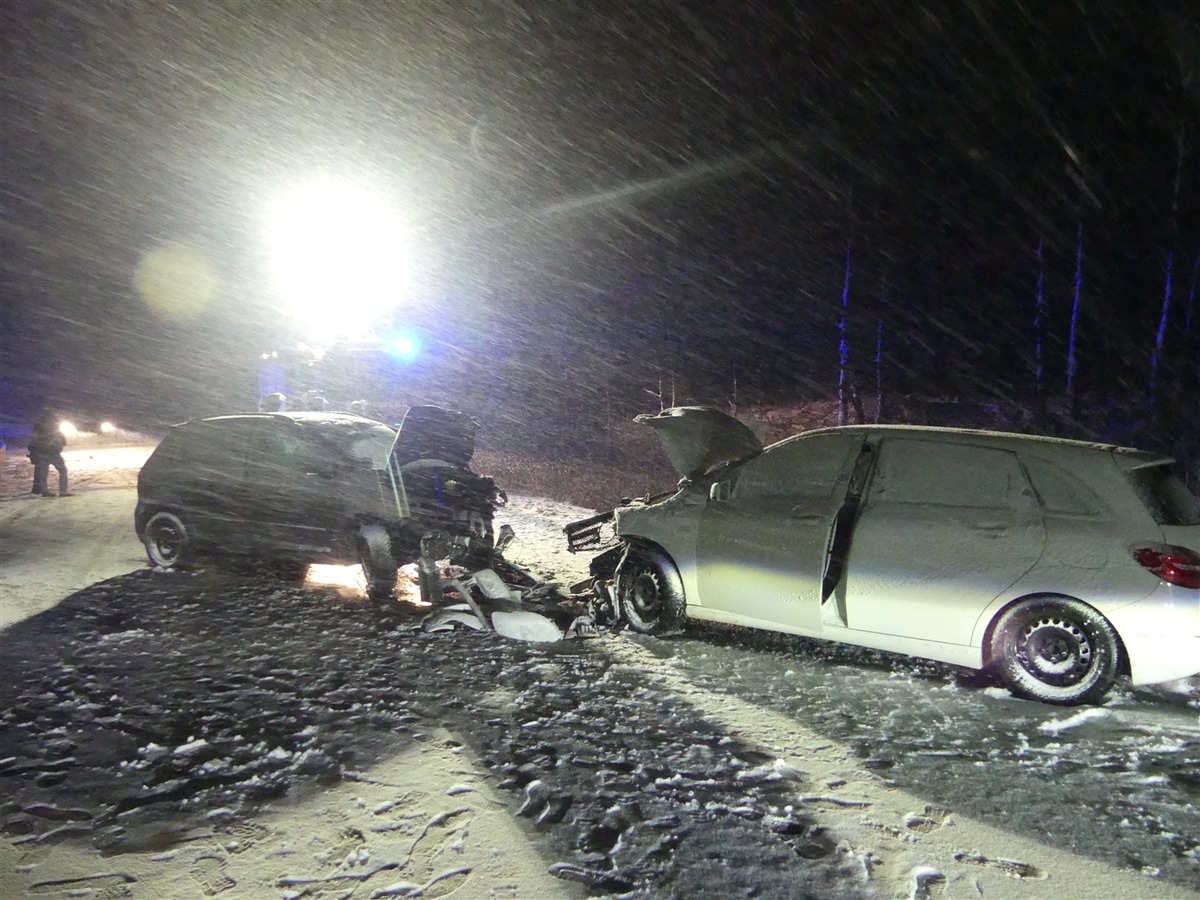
(606, 192)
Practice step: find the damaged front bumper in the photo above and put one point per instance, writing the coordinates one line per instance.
(504, 598)
(598, 533)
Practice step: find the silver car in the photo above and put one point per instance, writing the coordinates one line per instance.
(1057, 564)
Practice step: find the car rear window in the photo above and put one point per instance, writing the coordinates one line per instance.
(170, 447)
(1165, 495)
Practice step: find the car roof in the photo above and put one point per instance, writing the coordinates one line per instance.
(314, 418)
(991, 438)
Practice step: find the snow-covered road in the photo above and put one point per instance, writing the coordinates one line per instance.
(1118, 782)
(173, 720)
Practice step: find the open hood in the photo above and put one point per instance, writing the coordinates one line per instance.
(431, 432)
(697, 439)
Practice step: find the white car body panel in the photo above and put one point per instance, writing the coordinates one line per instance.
(1161, 634)
(953, 654)
(1183, 536)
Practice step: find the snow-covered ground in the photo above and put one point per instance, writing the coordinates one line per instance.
(178, 735)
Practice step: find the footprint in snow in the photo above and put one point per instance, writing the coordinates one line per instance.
(208, 871)
(931, 819)
(435, 853)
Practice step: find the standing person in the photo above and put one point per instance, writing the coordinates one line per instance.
(45, 450)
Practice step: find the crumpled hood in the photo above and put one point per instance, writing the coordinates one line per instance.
(697, 439)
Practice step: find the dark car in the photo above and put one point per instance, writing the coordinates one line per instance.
(291, 489)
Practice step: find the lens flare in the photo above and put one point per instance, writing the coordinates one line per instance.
(176, 282)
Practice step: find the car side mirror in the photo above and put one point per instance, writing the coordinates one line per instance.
(718, 491)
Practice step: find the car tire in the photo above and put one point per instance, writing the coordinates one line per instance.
(650, 592)
(1056, 650)
(168, 541)
(378, 563)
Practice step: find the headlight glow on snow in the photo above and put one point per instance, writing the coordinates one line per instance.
(350, 584)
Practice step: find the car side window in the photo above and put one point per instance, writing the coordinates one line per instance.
(1059, 492)
(803, 467)
(213, 449)
(946, 474)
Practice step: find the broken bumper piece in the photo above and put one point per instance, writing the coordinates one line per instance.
(507, 600)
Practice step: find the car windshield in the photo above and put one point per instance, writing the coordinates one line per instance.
(373, 444)
(370, 442)
(1166, 495)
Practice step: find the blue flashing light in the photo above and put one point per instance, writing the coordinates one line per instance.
(404, 345)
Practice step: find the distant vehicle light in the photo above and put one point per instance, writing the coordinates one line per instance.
(68, 429)
(108, 428)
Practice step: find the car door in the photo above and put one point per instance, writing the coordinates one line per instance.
(764, 536)
(207, 478)
(943, 530)
(290, 488)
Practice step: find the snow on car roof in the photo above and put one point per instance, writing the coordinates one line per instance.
(981, 435)
(315, 418)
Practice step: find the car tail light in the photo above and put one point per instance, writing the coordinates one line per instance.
(1175, 565)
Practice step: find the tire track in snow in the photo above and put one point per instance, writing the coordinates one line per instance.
(901, 842)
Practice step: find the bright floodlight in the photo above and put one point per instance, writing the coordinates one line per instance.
(68, 429)
(339, 259)
(108, 428)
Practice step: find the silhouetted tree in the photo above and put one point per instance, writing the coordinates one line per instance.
(1039, 318)
(1161, 335)
(1071, 359)
(844, 347)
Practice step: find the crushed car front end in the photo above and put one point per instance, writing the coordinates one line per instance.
(702, 444)
(438, 498)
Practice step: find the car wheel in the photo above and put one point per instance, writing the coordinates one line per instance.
(1056, 650)
(650, 592)
(168, 541)
(378, 564)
